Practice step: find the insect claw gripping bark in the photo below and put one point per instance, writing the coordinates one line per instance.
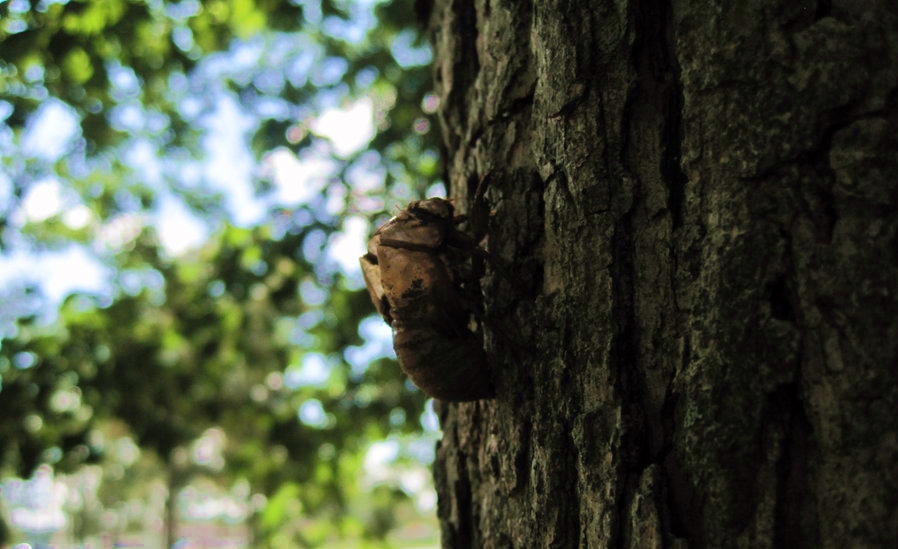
(419, 276)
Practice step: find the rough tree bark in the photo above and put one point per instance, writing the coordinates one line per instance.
(695, 343)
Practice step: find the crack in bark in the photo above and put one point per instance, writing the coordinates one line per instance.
(458, 533)
(824, 8)
(623, 364)
(671, 169)
(677, 490)
(793, 526)
(684, 505)
(780, 302)
(515, 107)
(466, 65)
(818, 202)
(465, 525)
(659, 92)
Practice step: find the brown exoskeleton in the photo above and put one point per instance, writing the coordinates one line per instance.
(417, 271)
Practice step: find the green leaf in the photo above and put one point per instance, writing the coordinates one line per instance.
(77, 66)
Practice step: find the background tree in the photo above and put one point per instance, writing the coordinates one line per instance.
(698, 204)
(219, 338)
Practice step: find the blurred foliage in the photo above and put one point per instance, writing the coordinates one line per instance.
(219, 337)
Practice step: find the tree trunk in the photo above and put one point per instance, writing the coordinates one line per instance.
(692, 314)
(174, 482)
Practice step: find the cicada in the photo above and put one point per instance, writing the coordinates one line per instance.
(419, 274)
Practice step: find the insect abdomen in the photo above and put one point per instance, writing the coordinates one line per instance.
(450, 369)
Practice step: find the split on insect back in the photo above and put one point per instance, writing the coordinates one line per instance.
(419, 275)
